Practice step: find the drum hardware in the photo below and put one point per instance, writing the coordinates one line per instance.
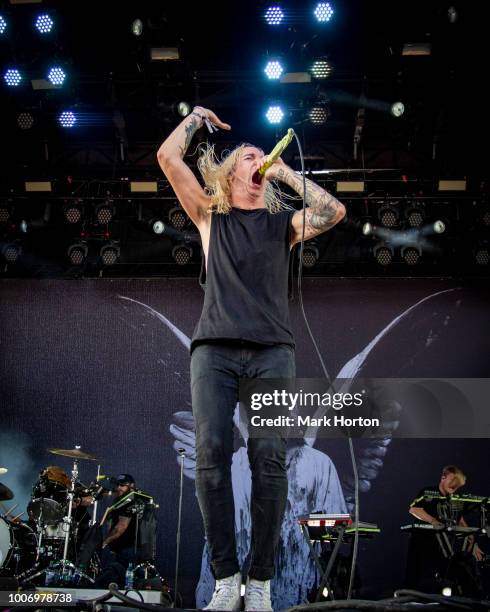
(7, 512)
(96, 502)
(52, 510)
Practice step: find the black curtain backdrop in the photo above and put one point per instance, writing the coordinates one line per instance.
(79, 364)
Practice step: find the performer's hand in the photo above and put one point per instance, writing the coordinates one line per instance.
(212, 117)
(276, 171)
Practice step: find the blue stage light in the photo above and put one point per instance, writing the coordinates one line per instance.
(56, 75)
(274, 114)
(274, 15)
(12, 77)
(44, 23)
(3, 24)
(67, 119)
(273, 70)
(323, 12)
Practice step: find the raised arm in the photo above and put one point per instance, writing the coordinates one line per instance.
(324, 210)
(170, 157)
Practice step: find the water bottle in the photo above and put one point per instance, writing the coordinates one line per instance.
(49, 575)
(129, 583)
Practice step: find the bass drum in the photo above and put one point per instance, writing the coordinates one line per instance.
(17, 547)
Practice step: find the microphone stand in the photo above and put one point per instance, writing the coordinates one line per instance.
(181, 452)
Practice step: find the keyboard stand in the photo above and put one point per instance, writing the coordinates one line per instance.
(325, 574)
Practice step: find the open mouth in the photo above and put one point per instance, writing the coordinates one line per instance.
(257, 178)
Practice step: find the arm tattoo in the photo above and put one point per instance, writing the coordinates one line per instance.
(190, 129)
(323, 207)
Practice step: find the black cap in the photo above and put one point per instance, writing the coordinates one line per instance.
(125, 479)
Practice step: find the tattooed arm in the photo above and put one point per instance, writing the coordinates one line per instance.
(170, 157)
(324, 210)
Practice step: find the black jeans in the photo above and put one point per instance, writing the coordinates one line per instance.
(215, 373)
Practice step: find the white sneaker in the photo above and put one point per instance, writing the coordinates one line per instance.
(258, 595)
(227, 594)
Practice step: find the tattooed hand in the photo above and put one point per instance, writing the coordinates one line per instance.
(212, 117)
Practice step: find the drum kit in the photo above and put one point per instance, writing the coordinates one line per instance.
(44, 549)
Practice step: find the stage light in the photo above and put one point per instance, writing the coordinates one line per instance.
(182, 254)
(273, 70)
(411, 255)
(44, 23)
(183, 108)
(388, 216)
(367, 229)
(325, 592)
(157, 226)
(439, 227)
(482, 256)
(109, 254)
(310, 255)
(274, 114)
(397, 109)
(73, 213)
(323, 12)
(452, 14)
(447, 591)
(137, 27)
(318, 115)
(321, 69)
(56, 75)
(5, 213)
(3, 24)
(274, 15)
(178, 218)
(383, 254)
(104, 213)
(77, 253)
(415, 216)
(67, 119)
(12, 77)
(11, 252)
(25, 121)
(486, 218)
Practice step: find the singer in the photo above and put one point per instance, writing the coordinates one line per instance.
(244, 331)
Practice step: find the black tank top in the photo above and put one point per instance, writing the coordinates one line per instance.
(246, 284)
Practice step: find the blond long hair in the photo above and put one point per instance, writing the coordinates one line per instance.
(217, 174)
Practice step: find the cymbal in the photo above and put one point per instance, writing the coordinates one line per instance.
(74, 453)
(5, 493)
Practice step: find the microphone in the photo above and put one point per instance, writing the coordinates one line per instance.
(276, 151)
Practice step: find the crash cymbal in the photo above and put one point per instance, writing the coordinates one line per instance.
(74, 453)
(5, 493)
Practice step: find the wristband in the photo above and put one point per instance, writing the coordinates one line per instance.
(211, 128)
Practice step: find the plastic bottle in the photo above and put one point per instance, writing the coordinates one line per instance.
(49, 575)
(129, 583)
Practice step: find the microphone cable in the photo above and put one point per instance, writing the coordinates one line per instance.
(324, 368)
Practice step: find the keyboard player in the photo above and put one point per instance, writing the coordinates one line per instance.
(426, 564)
